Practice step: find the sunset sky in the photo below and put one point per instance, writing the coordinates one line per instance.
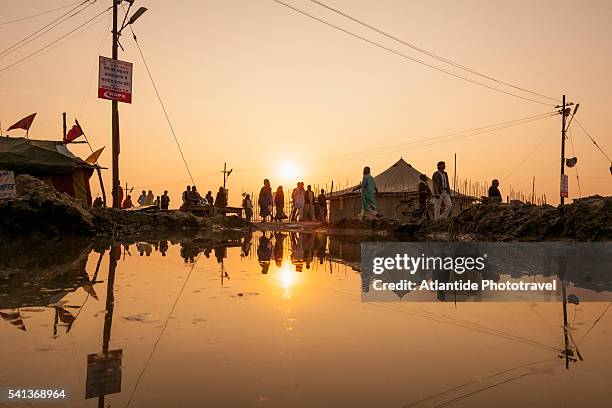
(264, 88)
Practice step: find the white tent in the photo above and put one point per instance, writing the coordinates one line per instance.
(401, 177)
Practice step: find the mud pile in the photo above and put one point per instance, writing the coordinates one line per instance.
(39, 208)
(587, 219)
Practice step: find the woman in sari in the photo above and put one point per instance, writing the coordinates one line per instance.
(279, 203)
(265, 201)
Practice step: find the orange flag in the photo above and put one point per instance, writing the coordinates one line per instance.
(93, 158)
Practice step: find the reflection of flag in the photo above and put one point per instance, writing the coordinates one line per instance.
(88, 287)
(93, 158)
(14, 318)
(24, 123)
(73, 133)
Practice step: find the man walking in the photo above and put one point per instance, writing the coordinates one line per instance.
(441, 192)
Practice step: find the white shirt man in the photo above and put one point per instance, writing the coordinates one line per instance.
(441, 192)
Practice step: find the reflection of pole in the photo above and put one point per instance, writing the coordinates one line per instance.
(115, 254)
(565, 334)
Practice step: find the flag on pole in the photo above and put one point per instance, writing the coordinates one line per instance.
(73, 133)
(24, 123)
(93, 158)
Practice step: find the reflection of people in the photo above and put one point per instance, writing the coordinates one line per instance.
(246, 244)
(163, 247)
(264, 253)
(297, 251)
(279, 239)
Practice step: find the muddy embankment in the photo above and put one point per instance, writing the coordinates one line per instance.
(586, 219)
(39, 210)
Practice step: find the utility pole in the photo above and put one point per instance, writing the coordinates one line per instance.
(115, 113)
(226, 173)
(562, 147)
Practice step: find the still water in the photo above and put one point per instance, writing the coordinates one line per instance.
(274, 320)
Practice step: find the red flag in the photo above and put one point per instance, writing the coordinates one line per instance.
(73, 133)
(24, 123)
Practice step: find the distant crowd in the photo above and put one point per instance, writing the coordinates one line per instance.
(306, 206)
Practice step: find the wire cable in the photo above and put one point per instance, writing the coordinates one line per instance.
(29, 56)
(419, 143)
(431, 54)
(161, 102)
(46, 28)
(593, 140)
(42, 13)
(398, 53)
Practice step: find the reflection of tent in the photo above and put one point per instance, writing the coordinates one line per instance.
(51, 162)
(398, 182)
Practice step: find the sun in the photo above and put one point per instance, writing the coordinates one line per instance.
(288, 171)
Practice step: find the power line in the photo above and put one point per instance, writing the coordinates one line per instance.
(431, 54)
(592, 140)
(42, 13)
(407, 56)
(40, 50)
(45, 29)
(161, 102)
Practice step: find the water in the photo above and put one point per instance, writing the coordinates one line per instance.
(204, 322)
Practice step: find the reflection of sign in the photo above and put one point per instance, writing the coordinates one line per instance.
(564, 186)
(7, 184)
(115, 80)
(103, 374)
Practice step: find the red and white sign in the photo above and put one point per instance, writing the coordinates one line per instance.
(115, 80)
(564, 186)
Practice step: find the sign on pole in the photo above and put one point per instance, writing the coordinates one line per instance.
(7, 184)
(115, 80)
(103, 374)
(564, 186)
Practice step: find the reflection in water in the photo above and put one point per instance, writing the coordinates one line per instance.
(295, 298)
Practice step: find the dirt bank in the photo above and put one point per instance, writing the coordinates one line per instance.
(39, 210)
(586, 219)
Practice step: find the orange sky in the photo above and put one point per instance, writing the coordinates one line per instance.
(255, 84)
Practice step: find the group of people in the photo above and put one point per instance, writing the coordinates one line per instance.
(145, 199)
(304, 205)
(191, 197)
(441, 194)
(442, 202)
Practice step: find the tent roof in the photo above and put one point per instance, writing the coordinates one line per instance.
(400, 177)
(37, 156)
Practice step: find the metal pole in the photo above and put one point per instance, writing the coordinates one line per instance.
(115, 113)
(65, 128)
(562, 145)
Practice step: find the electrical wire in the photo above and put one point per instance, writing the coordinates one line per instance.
(42, 13)
(431, 54)
(163, 330)
(40, 50)
(398, 53)
(46, 28)
(161, 102)
(419, 143)
(593, 140)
